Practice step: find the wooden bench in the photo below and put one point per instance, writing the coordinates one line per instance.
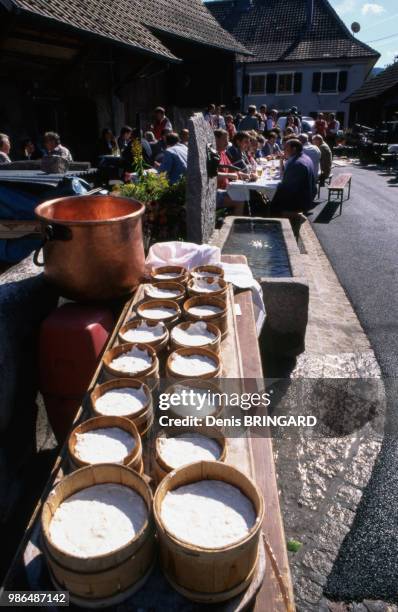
(327, 180)
(336, 189)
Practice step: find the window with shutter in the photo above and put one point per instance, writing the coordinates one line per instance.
(257, 84)
(316, 82)
(329, 82)
(298, 81)
(285, 83)
(343, 78)
(271, 83)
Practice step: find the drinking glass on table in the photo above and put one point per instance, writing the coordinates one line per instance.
(259, 171)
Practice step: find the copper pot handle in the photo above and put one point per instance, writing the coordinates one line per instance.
(52, 231)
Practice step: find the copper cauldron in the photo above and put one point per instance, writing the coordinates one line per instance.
(93, 247)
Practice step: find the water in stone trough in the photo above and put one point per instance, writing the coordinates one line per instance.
(263, 244)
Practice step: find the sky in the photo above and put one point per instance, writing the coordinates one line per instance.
(378, 19)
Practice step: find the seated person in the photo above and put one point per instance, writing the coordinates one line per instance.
(107, 144)
(237, 153)
(124, 140)
(260, 147)
(326, 157)
(184, 135)
(5, 147)
(252, 151)
(175, 159)
(30, 150)
(159, 147)
(225, 175)
(271, 147)
(297, 190)
(312, 151)
(53, 146)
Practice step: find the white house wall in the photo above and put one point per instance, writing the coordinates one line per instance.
(307, 101)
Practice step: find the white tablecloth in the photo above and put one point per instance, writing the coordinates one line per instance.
(239, 191)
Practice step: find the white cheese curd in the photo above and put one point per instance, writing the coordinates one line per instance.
(166, 275)
(192, 365)
(104, 445)
(208, 513)
(204, 310)
(196, 334)
(199, 403)
(144, 333)
(121, 402)
(133, 361)
(188, 448)
(159, 313)
(98, 520)
(161, 292)
(203, 274)
(201, 285)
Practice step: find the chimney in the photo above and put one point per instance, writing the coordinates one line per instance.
(310, 13)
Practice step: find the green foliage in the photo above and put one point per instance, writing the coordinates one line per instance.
(164, 217)
(151, 187)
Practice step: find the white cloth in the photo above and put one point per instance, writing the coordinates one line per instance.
(241, 276)
(190, 255)
(239, 191)
(393, 148)
(186, 254)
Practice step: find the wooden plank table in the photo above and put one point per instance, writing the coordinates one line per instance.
(270, 598)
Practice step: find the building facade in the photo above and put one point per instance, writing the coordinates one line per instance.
(302, 54)
(77, 66)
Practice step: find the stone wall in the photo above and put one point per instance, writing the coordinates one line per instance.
(25, 300)
(201, 190)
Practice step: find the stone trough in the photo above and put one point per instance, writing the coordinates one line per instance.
(274, 257)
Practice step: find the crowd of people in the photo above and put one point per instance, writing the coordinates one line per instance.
(162, 149)
(304, 152)
(30, 151)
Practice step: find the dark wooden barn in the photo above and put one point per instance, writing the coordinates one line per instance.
(377, 100)
(76, 66)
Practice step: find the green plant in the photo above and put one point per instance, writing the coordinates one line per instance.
(151, 187)
(164, 217)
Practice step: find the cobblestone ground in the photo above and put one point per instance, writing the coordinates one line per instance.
(323, 477)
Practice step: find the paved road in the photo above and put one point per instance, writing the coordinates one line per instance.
(362, 246)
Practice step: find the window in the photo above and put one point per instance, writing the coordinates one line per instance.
(274, 83)
(257, 84)
(329, 82)
(285, 83)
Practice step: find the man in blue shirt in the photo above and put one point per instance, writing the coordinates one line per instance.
(175, 158)
(297, 190)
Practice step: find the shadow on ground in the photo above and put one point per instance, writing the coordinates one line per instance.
(367, 564)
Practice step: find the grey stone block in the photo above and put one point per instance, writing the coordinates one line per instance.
(25, 300)
(201, 190)
(286, 302)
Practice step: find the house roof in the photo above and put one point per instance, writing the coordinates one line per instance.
(135, 22)
(375, 86)
(276, 30)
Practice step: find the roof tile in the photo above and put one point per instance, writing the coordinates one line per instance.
(276, 30)
(377, 85)
(134, 22)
